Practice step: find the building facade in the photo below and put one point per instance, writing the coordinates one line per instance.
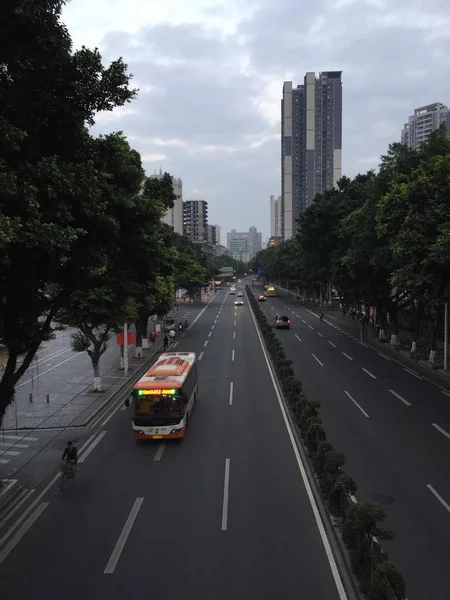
(275, 216)
(425, 120)
(246, 243)
(212, 234)
(195, 220)
(311, 143)
(174, 216)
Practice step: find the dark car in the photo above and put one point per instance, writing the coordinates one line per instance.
(261, 298)
(282, 322)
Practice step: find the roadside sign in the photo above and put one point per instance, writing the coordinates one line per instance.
(131, 339)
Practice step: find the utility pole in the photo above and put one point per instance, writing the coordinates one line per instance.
(125, 349)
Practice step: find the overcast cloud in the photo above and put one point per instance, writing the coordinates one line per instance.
(210, 75)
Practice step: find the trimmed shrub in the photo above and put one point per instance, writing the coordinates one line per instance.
(343, 487)
(387, 578)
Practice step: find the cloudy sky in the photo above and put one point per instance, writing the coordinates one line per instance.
(210, 74)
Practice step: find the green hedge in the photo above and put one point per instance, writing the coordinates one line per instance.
(379, 578)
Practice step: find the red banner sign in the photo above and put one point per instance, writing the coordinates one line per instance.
(131, 339)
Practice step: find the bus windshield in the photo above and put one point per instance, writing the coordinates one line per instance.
(158, 406)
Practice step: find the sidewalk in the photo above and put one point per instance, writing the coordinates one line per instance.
(434, 372)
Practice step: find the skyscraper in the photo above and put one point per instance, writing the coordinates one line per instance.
(425, 120)
(246, 242)
(195, 220)
(174, 216)
(275, 216)
(311, 143)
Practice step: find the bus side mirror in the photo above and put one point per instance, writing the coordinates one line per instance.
(127, 402)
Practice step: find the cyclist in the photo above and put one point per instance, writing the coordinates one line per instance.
(165, 342)
(70, 457)
(180, 328)
(321, 317)
(186, 325)
(172, 334)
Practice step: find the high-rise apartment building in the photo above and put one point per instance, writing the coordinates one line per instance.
(212, 234)
(195, 220)
(311, 143)
(246, 243)
(275, 216)
(174, 216)
(425, 120)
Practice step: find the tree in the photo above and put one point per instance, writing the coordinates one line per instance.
(51, 205)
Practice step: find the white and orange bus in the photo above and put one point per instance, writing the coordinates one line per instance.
(163, 400)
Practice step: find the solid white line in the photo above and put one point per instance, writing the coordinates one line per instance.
(10, 445)
(176, 344)
(226, 492)
(234, 335)
(297, 337)
(368, 373)
(301, 467)
(347, 356)
(436, 426)
(232, 355)
(200, 356)
(311, 327)
(210, 334)
(51, 369)
(231, 393)
(159, 452)
(446, 393)
(120, 406)
(114, 559)
(364, 344)
(92, 446)
(400, 398)
(438, 496)
(22, 531)
(412, 373)
(16, 507)
(356, 404)
(384, 356)
(205, 344)
(331, 344)
(19, 437)
(321, 364)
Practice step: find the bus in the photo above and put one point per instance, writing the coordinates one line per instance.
(270, 290)
(217, 285)
(163, 400)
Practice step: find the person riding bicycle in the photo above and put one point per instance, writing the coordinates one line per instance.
(180, 328)
(186, 325)
(70, 456)
(321, 317)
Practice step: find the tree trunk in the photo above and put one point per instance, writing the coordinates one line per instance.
(394, 327)
(418, 314)
(95, 358)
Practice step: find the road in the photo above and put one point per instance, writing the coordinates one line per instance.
(223, 514)
(394, 428)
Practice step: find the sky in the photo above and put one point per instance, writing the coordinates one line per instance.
(210, 75)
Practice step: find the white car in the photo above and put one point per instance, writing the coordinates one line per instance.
(240, 294)
(239, 302)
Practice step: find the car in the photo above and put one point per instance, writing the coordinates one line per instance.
(282, 322)
(232, 292)
(239, 302)
(261, 298)
(240, 294)
(169, 324)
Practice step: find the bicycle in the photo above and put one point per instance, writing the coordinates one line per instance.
(67, 473)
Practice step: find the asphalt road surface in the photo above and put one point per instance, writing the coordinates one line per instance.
(221, 515)
(394, 428)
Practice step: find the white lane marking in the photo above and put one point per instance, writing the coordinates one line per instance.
(124, 407)
(119, 406)
(311, 327)
(19, 437)
(232, 355)
(235, 322)
(364, 344)
(446, 393)
(368, 373)
(9, 453)
(92, 446)
(226, 493)
(297, 337)
(159, 452)
(301, 467)
(4, 461)
(215, 321)
(356, 404)
(383, 355)
(231, 393)
(318, 333)
(212, 327)
(210, 334)
(321, 364)
(304, 321)
(176, 344)
(51, 369)
(438, 496)
(412, 373)
(22, 531)
(114, 558)
(234, 335)
(400, 398)
(10, 445)
(200, 356)
(347, 356)
(436, 426)
(331, 344)
(205, 344)
(16, 507)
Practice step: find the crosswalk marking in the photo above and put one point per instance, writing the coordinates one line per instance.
(9, 445)
(17, 438)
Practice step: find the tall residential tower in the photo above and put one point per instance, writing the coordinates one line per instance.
(425, 120)
(311, 143)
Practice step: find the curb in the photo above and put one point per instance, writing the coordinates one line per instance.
(339, 551)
